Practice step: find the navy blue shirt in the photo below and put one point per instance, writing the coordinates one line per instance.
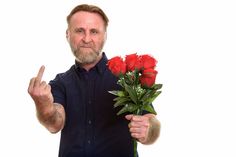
(92, 128)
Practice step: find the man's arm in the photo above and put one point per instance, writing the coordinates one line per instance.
(51, 115)
(146, 128)
(53, 120)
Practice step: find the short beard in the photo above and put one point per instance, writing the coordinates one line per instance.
(89, 57)
(86, 58)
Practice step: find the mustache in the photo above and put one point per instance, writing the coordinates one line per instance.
(81, 46)
(87, 45)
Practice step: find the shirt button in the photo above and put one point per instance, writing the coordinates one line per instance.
(89, 102)
(89, 122)
(89, 141)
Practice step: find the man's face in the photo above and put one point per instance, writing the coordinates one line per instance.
(86, 35)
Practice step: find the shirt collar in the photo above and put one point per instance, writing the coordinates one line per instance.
(100, 66)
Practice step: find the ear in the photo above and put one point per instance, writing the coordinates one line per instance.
(67, 35)
(105, 36)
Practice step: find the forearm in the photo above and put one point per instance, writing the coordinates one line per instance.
(53, 118)
(154, 131)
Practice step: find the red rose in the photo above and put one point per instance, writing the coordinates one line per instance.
(117, 66)
(148, 77)
(132, 62)
(148, 61)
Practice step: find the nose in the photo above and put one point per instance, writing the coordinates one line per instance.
(87, 38)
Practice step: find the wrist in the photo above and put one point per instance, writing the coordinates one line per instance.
(45, 111)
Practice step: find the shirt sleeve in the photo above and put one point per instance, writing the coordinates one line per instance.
(58, 90)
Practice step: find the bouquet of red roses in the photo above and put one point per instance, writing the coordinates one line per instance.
(137, 77)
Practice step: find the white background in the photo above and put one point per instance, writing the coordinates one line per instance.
(193, 41)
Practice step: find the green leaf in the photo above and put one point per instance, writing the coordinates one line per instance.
(128, 108)
(151, 98)
(157, 86)
(154, 96)
(114, 92)
(117, 93)
(132, 93)
(121, 93)
(147, 94)
(149, 108)
(117, 98)
(121, 101)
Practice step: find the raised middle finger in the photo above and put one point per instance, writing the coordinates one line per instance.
(39, 76)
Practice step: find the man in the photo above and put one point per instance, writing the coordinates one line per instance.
(77, 102)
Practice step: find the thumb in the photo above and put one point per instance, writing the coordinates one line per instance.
(129, 116)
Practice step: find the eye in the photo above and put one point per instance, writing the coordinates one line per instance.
(94, 31)
(79, 30)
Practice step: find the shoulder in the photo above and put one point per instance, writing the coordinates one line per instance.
(64, 76)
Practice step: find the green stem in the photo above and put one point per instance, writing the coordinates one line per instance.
(138, 112)
(135, 147)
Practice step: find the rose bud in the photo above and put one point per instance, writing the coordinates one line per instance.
(132, 62)
(117, 66)
(148, 77)
(148, 61)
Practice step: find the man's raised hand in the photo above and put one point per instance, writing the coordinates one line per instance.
(39, 90)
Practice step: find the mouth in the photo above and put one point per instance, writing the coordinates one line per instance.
(85, 46)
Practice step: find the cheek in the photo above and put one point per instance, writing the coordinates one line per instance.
(99, 41)
(74, 40)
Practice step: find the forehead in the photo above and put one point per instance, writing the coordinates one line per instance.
(86, 19)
